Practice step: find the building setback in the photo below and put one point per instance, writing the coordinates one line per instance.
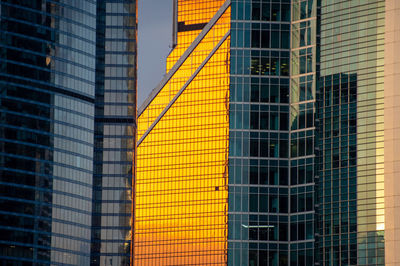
(68, 101)
(181, 190)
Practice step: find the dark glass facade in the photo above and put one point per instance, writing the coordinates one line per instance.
(114, 132)
(50, 130)
(271, 154)
(337, 190)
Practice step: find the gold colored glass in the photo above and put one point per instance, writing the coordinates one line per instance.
(192, 12)
(187, 68)
(182, 164)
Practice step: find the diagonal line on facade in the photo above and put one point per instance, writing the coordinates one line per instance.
(184, 56)
(184, 87)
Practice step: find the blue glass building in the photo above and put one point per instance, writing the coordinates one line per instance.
(115, 110)
(271, 155)
(66, 127)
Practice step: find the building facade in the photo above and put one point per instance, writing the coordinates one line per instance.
(391, 132)
(351, 195)
(271, 156)
(114, 133)
(244, 156)
(61, 167)
(289, 157)
(181, 190)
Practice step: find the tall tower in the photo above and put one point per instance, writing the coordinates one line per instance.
(182, 171)
(114, 133)
(48, 61)
(295, 159)
(392, 130)
(271, 156)
(352, 133)
(67, 124)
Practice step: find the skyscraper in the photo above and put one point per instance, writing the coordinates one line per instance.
(273, 136)
(114, 134)
(271, 156)
(67, 97)
(181, 193)
(351, 133)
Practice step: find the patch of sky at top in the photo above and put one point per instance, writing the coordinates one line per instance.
(154, 43)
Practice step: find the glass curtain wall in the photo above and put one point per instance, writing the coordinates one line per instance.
(181, 185)
(47, 86)
(303, 82)
(259, 165)
(351, 133)
(114, 132)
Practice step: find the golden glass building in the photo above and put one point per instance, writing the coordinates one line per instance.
(272, 138)
(181, 185)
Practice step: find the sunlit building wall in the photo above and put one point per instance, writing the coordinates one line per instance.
(190, 17)
(181, 191)
(392, 131)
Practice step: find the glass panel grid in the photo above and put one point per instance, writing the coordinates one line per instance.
(181, 184)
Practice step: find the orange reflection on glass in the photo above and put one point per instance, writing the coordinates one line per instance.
(185, 71)
(192, 12)
(182, 165)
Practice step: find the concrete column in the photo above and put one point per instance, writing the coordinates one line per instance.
(392, 132)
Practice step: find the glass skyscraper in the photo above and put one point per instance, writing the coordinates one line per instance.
(114, 133)
(271, 156)
(225, 149)
(351, 133)
(273, 137)
(68, 100)
(181, 189)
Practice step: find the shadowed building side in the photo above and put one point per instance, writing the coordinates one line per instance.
(114, 136)
(47, 91)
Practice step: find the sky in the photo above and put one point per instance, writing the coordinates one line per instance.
(154, 42)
